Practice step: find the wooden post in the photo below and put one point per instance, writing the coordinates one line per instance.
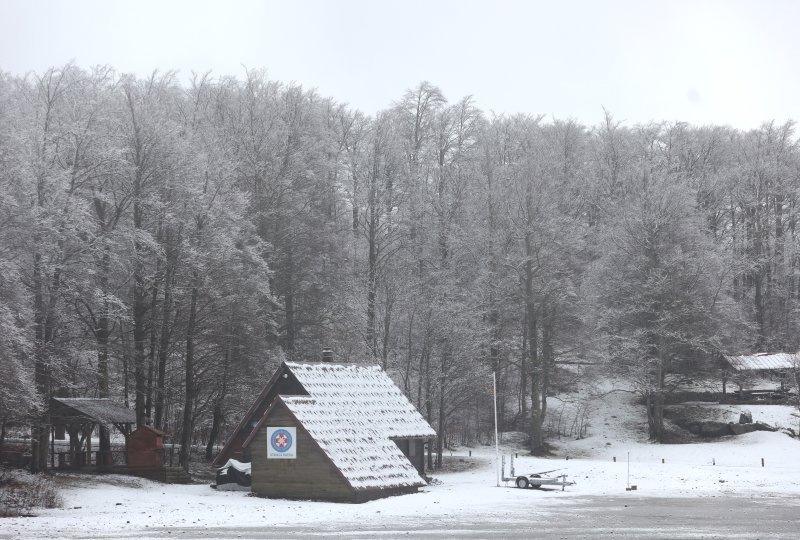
(89, 445)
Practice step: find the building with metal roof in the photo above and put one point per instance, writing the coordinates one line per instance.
(763, 361)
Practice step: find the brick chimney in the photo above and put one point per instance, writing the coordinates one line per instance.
(327, 354)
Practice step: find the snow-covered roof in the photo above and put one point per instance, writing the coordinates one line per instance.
(763, 361)
(360, 450)
(238, 465)
(367, 391)
(101, 410)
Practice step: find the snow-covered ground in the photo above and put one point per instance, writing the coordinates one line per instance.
(728, 466)
(116, 506)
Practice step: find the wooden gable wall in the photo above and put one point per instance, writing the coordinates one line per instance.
(310, 476)
(288, 386)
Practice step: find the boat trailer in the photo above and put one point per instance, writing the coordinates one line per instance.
(535, 480)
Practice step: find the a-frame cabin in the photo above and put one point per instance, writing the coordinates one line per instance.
(355, 434)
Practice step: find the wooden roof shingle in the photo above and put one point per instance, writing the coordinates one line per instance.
(369, 392)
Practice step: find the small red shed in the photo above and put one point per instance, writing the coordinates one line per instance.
(146, 448)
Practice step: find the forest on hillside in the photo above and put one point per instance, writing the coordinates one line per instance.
(167, 244)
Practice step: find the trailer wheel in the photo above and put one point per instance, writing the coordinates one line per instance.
(521, 482)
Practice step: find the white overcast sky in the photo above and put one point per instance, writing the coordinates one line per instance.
(723, 62)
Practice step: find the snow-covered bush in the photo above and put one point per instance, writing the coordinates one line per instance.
(20, 492)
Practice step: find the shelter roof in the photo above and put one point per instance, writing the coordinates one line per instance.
(763, 361)
(102, 410)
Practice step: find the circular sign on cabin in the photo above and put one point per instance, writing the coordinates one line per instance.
(281, 442)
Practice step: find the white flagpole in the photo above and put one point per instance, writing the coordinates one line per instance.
(496, 440)
(629, 471)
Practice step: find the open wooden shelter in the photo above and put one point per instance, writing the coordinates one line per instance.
(339, 432)
(761, 377)
(78, 417)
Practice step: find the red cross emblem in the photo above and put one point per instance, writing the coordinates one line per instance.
(281, 440)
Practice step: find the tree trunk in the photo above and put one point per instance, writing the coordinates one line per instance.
(102, 334)
(289, 307)
(216, 420)
(151, 353)
(372, 265)
(140, 159)
(442, 427)
(125, 366)
(523, 369)
(654, 399)
(387, 326)
(372, 343)
(288, 302)
(537, 416)
(188, 402)
(163, 347)
(548, 360)
(139, 317)
(409, 355)
(428, 407)
(189, 396)
(44, 333)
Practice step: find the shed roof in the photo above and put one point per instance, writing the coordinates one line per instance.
(103, 410)
(149, 430)
(763, 361)
(363, 393)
